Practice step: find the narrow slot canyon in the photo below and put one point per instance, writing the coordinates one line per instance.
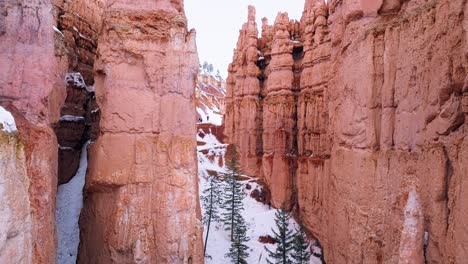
(312, 131)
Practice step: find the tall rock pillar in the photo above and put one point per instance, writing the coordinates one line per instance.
(31, 88)
(243, 106)
(313, 140)
(279, 114)
(141, 201)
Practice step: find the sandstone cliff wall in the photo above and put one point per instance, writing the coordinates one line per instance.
(141, 192)
(76, 37)
(142, 178)
(30, 87)
(371, 147)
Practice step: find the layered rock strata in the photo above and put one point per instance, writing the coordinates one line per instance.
(79, 122)
(279, 113)
(78, 26)
(242, 98)
(31, 88)
(377, 158)
(141, 202)
(76, 37)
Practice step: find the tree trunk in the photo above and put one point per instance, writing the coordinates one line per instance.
(210, 212)
(232, 212)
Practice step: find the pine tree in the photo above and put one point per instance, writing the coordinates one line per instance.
(232, 195)
(210, 68)
(238, 250)
(301, 247)
(211, 199)
(284, 238)
(205, 67)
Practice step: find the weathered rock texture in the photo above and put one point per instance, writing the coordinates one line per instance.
(79, 123)
(32, 89)
(76, 36)
(362, 108)
(79, 23)
(15, 222)
(242, 99)
(141, 202)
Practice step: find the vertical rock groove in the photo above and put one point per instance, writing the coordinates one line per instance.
(380, 115)
(141, 192)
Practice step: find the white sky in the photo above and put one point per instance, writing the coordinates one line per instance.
(218, 23)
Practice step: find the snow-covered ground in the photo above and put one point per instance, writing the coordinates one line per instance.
(210, 100)
(7, 121)
(210, 116)
(69, 204)
(259, 218)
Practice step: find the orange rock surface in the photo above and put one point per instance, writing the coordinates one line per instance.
(141, 192)
(363, 107)
(32, 89)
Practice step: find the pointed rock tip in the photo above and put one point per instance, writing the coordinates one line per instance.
(252, 12)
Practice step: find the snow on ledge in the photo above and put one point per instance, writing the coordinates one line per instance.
(58, 31)
(7, 120)
(71, 118)
(76, 79)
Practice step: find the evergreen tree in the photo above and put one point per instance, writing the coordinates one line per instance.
(211, 199)
(238, 250)
(301, 247)
(205, 67)
(210, 68)
(232, 195)
(284, 238)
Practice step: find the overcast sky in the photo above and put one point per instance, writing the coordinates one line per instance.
(218, 23)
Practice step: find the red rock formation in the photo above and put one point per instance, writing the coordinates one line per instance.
(381, 118)
(15, 223)
(78, 23)
(141, 192)
(79, 123)
(31, 88)
(243, 110)
(279, 112)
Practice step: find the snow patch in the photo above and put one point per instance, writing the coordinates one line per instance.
(7, 121)
(76, 79)
(71, 118)
(209, 116)
(81, 35)
(69, 204)
(65, 148)
(412, 209)
(259, 217)
(91, 89)
(426, 238)
(58, 31)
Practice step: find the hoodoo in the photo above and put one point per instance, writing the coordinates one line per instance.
(141, 193)
(354, 117)
(31, 89)
(140, 62)
(360, 125)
